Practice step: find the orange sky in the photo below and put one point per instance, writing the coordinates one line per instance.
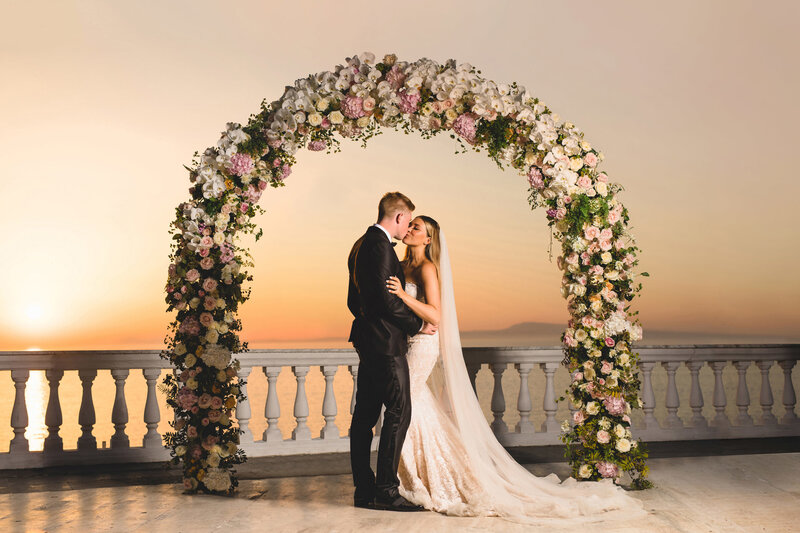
(103, 103)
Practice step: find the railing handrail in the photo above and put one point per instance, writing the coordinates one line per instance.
(126, 359)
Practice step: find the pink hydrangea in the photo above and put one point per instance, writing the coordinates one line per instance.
(353, 107)
(464, 125)
(395, 77)
(241, 164)
(409, 103)
(252, 194)
(607, 469)
(317, 146)
(615, 405)
(190, 326)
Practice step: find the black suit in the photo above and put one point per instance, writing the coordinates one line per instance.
(379, 334)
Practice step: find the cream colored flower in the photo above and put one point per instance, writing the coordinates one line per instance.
(605, 257)
(180, 349)
(190, 360)
(322, 104)
(362, 122)
(336, 117)
(315, 119)
(619, 431)
(623, 445)
(180, 450)
(451, 114)
(191, 383)
(585, 471)
(601, 188)
(580, 335)
(222, 376)
(592, 407)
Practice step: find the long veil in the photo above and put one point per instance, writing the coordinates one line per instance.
(514, 491)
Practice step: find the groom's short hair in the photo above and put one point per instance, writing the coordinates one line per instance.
(393, 202)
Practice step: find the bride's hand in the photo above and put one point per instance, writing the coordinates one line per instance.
(395, 287)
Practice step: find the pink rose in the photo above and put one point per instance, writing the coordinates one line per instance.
(209, 284)
(569, 341)
(201, 293)
(591, 233)
(195, 409)
(206, 232)
(437, 107)
(606, 234)
(579, 417)
(216, 402)
(326, 123)
(210, 303)
(177, 296)
(577, 376)
(607, 367)
(207, 263)
(262, 185)
(448, 103)
(204, 401)
(206, 319)
(180, 306)
(568, 199)
(203, 252)
(586, 258)
(610, 342)
(602, 177)
(590, 160)
(584, 182)
(190, 326)
(368, 104)
(191, 431)
(605, 245)
(214, 416)
(207, 242)
(561, 213)
(603, 437)
(205, 421)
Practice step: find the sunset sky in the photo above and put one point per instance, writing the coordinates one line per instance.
(693, 103)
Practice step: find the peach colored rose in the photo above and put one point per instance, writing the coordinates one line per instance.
(591, 233)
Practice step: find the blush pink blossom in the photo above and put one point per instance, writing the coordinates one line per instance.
(241, 164)
(209, 284)
(205, 421)
(317, 146)
(395, 77)
(605, 245)
(262, 185)
(285, 171)
(606, 367)
(216, 402)
(561, 213)
(203, 252)
(244, 207)
(606, 234)
(214, 416)
(610, 342)
(590, 160)
(464, 125)
(226, 253)
(569, 341)
(584, 182)
(607, 469)
(603, 437)
(591, 233)
(204, 401)
(603, 177)
(326, 123)
(578, 417)
(252, 194)
(586, 258)
(207, 263)
(191, 432)
(207, 242)
(206, 319)
(353, 107)
(614, 405)
(190, 326)
(210, 303)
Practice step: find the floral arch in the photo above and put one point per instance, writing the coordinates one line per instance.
(355, 100)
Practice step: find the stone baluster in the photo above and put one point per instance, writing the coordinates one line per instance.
(672, 400)
(86, 415)
(52, 417)
(272, 409)
(789, 397)
(524, 399)
(720, 400)
(767, 418)
(648, 397)
(152, 414)
(329, 411)
(19, 413)
(119, 413)
(301, 431)
(353, 372)
(472, 371)
(549, 403)
(742, 394)
(696, 396)
(243, 407)
(498, 399)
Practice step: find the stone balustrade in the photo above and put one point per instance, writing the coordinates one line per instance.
(531, 364)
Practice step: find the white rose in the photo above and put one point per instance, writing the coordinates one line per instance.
(180, 349)
(623, 445)
(601, 188)
(585, 471)
(322, 104)
(180, 450)
(619, 431)
(221, 303)
(612, 275)
(592, 407)
(623, 358)
(194, 302)
(219, 238)
(336, 117)
(596, 306)
(451, 114)
(212, 336)
(585, 146)
(605, 257)
(213, 460)
(190, 360)
(580, 335)
(362, 122)
(575, 164)
(222, 328)
(191, 383)
(315, 119)
(595, 353)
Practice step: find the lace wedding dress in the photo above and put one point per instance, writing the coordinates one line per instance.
(451, 461)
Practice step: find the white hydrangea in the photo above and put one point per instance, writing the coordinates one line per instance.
(217, 479)
(216, 356)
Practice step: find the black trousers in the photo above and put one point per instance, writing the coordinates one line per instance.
(382, 380)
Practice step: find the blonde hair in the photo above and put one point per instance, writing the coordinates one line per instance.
(433, 249)
(392, 203)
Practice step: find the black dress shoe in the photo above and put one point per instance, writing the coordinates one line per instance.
(397, 503)
(364, 504)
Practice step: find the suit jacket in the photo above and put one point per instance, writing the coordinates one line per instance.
(382, 321)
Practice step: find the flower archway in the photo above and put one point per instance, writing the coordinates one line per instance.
(355, 100)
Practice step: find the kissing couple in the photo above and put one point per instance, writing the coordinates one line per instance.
(436, 449)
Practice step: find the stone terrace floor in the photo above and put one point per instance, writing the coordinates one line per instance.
(727, 493)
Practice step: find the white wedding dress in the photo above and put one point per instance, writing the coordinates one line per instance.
(451, 461)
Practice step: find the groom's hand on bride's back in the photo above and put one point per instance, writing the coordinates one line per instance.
(429, 329)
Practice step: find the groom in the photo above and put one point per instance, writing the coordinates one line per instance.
(379, 334)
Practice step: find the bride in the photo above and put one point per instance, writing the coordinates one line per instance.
(451, 461)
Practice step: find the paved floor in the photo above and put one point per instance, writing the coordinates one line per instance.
(732, 493)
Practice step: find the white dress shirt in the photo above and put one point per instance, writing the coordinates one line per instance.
(385, 231)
